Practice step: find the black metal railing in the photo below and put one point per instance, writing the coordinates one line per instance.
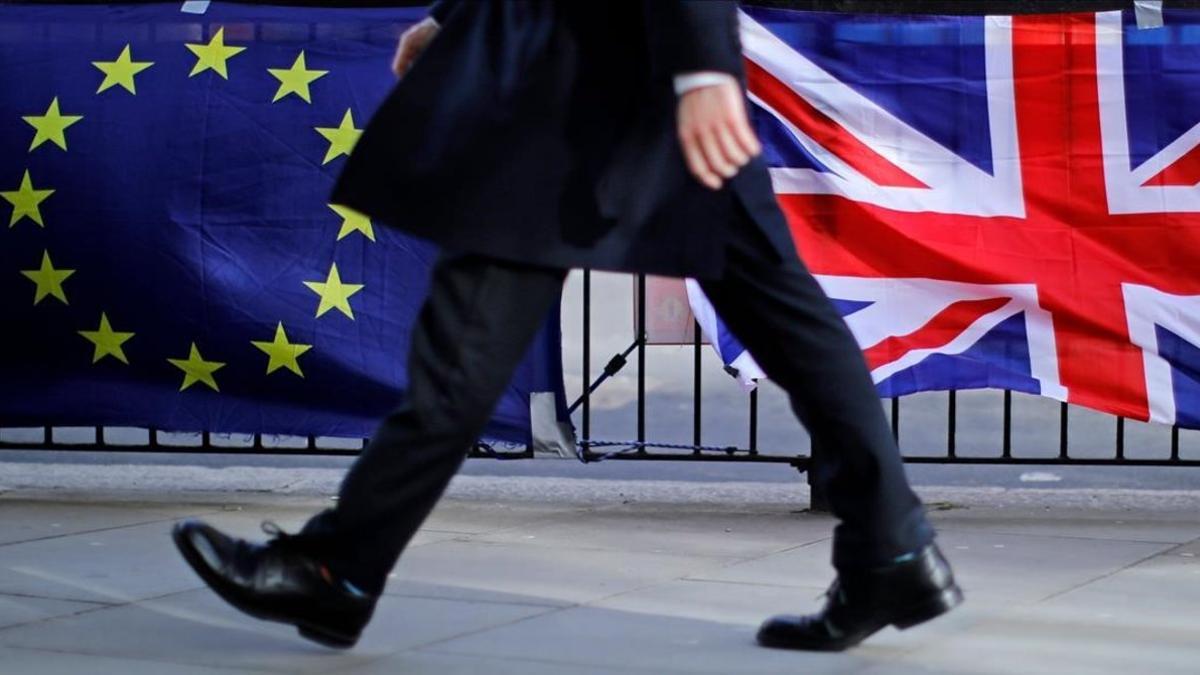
(595, 447)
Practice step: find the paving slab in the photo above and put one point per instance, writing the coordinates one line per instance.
(552, 574)
(722, 602)
(115, 565)
(482, 517)
(680, 531)
(432, 663)
(529, 584)
(1041, 641)
(1008, 569)
(1127, 524)
(25, 520)
(1158, 595)
(805, 566)
(42, 662)
(197, 628)
(593, 636)
(988, 564)
(247, 522)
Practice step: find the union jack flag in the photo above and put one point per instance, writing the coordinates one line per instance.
(1007, 202)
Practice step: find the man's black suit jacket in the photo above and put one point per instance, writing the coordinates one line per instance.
(544, 132)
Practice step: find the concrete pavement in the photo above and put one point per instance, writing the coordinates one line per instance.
(542, 575)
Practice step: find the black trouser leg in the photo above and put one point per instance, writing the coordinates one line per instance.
(782, 316)
(473, 330)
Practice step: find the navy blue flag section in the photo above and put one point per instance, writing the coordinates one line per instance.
(169, 257)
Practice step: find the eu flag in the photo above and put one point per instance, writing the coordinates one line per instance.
(169, 257)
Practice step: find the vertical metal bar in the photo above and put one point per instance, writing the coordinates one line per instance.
(896, 418)
(754, 421)
(641, 354)
(205, 440)
(48, 435)
(952, 414)
(1175, 443)
(587, 357)
(1120, 438)
(1007, 449)
(697, 352)
(1063, 430)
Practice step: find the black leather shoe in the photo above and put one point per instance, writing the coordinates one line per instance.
(276, 581)
(860, 603)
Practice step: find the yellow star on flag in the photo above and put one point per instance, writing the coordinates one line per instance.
(283, 353)
(107, 341)
(196, 369)
(213, 56)
(341, 138)
(49, 280)
(353, 221)
(51, 127)
(121, 72)
(25, 201)
(295, 80)
(334, 294)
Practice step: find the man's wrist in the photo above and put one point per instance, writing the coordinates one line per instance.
(688, 81)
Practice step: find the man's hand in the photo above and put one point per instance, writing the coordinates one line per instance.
(412, 43)
(715, 133)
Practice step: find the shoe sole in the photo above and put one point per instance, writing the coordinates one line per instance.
(318, 634)
(945, 601)
(940, 604)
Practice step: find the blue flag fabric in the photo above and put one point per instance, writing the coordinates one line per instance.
(169, 257)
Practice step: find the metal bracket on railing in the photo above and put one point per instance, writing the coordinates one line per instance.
(614, 366)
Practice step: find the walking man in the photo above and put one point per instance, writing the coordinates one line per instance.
(527, 138)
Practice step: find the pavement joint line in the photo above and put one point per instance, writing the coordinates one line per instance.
(756, 584)
(138, 659)
(81, 533)
(472, 601)
(539, 520)
(100, 608)
(503, 624)
(34, 596)
(551, 662)
(1073, 537)
(1152, 556)
(733, 559)
(68, 615)
(785, 549)
(577, 605)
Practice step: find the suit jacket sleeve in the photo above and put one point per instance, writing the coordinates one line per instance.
(688, 36)
(440, 10)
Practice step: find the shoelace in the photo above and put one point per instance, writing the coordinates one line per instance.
(277, 534)
(282, 539)
(834, 592)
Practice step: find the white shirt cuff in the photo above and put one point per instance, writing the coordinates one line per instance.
(689, 81)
